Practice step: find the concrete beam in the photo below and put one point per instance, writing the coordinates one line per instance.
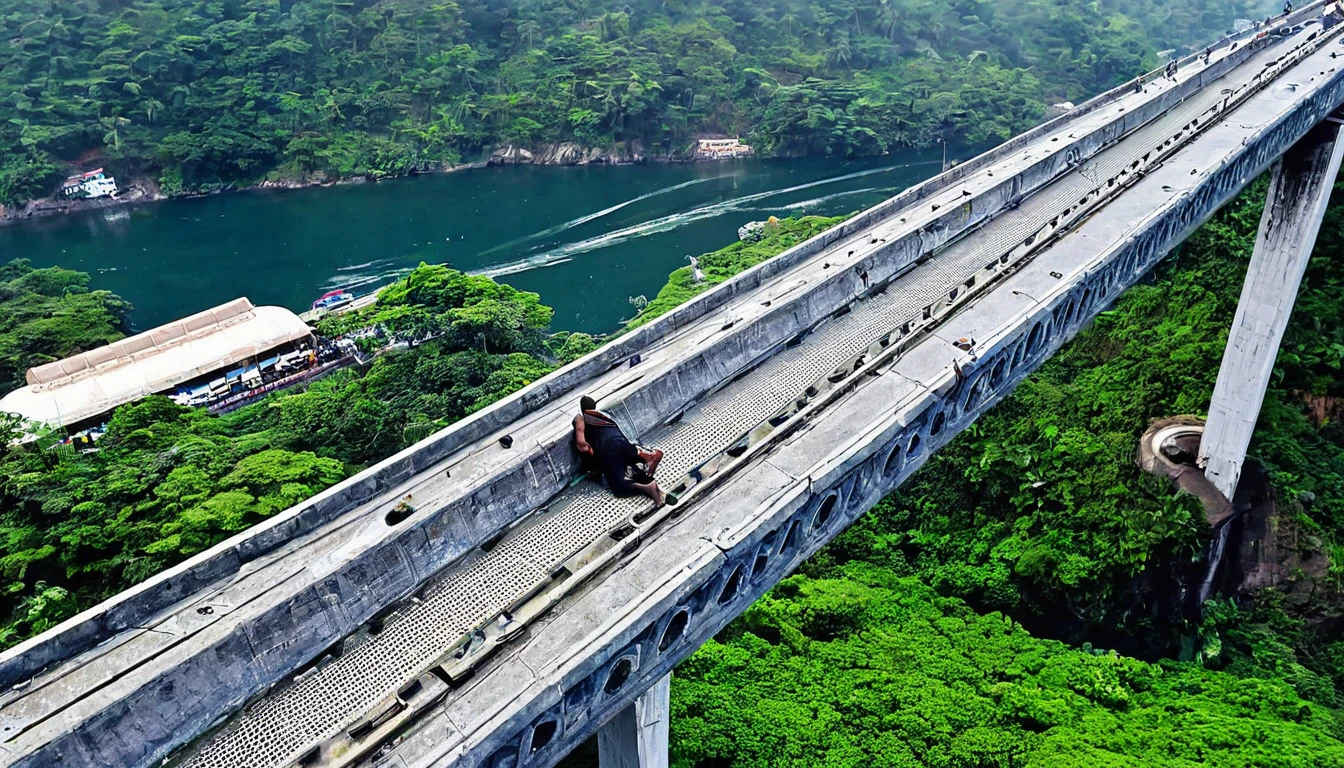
(637, 736)
(1298, 193)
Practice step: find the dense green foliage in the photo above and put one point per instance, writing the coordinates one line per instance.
(200, 94)
(869, 666)
(48, 314)
(170, 481)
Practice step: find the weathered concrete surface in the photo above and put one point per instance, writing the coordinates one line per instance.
(1299, 191)
(730, 548)
(323, 587)
(637, 736)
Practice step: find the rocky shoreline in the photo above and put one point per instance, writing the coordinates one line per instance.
(568, 153)
(145, 190)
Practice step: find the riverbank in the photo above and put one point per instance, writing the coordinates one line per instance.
(144, 189)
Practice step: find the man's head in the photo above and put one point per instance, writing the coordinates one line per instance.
(587, 403)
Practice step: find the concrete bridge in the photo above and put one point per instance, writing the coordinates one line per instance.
(506, 612)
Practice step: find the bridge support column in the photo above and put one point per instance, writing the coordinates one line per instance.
(637, 736)
(1298, 193)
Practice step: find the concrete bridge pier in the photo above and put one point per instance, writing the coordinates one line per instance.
(1298, 193)
(637, 736)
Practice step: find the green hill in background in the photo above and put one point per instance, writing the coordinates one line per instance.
(196, 95)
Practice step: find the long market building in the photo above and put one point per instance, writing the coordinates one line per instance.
(216, 352)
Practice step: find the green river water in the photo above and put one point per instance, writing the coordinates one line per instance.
(585, 238)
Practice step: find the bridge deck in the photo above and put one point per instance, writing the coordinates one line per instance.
(551, 551)
(292, 720)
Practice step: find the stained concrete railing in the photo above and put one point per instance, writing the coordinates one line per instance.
(139, 604)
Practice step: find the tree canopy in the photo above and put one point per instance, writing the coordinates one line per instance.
(48, 314)
(870, 667)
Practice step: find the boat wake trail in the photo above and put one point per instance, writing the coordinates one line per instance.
(558, 228)
(365, 265)
(670, 222)
(514, 267)
(804, 204)
(350, 282)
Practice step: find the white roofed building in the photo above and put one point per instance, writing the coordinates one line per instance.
(73, 391)
(90, 184)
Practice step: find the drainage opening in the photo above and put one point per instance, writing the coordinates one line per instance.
(893, 460)
(620, 673)
(542, 735)
(675, 629)
(731, 586)
(824, 512)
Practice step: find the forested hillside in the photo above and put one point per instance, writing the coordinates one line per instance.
(201, 94)
(870, 666)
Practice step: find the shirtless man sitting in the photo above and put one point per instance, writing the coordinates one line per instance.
(627, 467)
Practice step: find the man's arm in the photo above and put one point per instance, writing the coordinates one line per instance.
(579, 441)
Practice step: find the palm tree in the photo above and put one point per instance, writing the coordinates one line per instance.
(152, 108)
(840, 51)
(113, 124)
(528, 30)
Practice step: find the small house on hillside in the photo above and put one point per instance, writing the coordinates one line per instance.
(717, 149)
(89, 185)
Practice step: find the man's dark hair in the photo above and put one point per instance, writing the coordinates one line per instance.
(587, 403)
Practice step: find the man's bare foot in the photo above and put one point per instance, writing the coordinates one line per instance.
(659, 498)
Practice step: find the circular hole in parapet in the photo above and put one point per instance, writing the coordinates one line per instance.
(1034, 339)
(938, 422)
(675, 629)
(542, 735)
(620, 674)
(913, 450)
(996, 375)
(790, 538)
(762, 560)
